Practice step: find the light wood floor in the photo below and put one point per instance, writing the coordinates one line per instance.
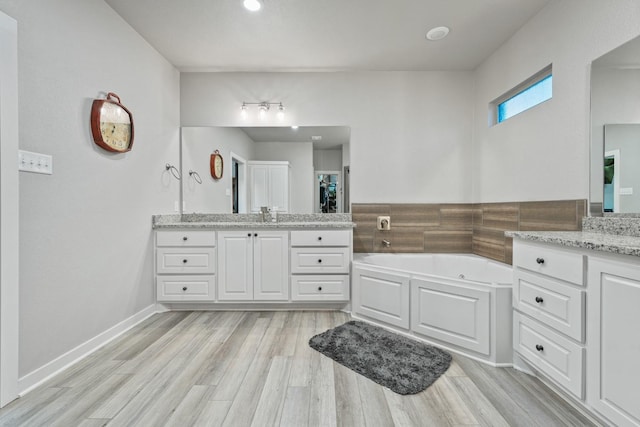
(256, 368)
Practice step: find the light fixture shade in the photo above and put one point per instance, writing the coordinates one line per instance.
(243, 111)
(280, 114)
(252, 5)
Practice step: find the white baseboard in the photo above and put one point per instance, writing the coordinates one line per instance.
(42, 374)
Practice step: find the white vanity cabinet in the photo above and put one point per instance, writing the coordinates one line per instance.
(185, 265)
(320, 263)
(253, 265)
(612, 333)
(549, 311)
(269, 185)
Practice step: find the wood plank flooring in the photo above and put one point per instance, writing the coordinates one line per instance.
(256, 369)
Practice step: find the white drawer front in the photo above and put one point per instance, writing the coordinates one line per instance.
(551, 353)
(186, 260)
(319, 260)
(548, 301)
(320, 288)
(186, 288)
(185, 238)
(562, 264)
(320, 238)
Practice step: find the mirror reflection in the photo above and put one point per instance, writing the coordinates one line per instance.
(285, 169)
(615, 131)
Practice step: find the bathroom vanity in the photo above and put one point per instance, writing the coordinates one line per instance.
(576, 299)
(241, 259)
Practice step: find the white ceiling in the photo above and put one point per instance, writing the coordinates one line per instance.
(332, 136)
(325, 35)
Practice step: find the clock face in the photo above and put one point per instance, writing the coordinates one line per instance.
(111, 124)
(216, 164)
(115, 126)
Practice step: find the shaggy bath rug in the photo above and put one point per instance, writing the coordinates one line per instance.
(399, 363)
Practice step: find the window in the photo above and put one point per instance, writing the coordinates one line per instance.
(533, 91)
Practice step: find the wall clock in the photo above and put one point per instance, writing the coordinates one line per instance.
(112, 124)
(216, 164)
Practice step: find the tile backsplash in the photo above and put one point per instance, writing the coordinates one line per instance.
(460, 228)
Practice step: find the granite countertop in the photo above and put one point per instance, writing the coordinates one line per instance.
(253, 221)
(613, 235)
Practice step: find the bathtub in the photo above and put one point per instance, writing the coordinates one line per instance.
(458, 302)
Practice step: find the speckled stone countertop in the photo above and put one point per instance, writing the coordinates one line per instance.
(604, 234)
(253, 221)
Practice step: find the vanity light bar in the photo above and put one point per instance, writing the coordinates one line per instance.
(263, 109)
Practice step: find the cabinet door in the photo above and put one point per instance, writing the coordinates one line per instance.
(259, 188)
(271, 266)
(235, 264)
(614, 341)
(279, 187)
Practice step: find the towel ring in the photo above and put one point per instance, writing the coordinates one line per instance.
(174, 171)
(196, 176)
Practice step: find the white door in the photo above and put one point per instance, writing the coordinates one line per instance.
(279, 187)
(235, 265)
(612, 334)
(259, 188)
(271, 266)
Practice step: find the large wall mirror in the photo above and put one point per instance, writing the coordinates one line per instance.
(615, 131)
(292, 169)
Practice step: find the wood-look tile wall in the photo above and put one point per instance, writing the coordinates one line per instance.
(460, 228)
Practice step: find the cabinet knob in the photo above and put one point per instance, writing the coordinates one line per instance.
(319, 288)
(185, 238)
(539, 300)
(539, 347)
(255, 234)
(184, 288)
(184, 261)
(319, 238)
(319, 261)
(540, 260)
(249, 234)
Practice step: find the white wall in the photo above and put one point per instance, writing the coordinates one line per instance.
(327, 160)
(86, 259)
(300, 158)
(410, 131)
(197, 145)
(543, 153)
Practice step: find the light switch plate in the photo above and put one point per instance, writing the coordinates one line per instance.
(627, 191)
(35, 162)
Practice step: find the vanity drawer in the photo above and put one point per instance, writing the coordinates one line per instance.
(551, 353)
(558, 263)
(185, 238)
(185, 288)
(555, 304)
(320, 238)
(320, 288)
(320, 260)
(185, 260)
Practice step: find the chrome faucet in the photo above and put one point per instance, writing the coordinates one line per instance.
(264, 211)
(386, 243)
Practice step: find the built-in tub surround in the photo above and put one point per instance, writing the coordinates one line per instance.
(476, 228)
(460, 302)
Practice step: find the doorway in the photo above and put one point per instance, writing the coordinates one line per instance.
(611, 196)
(238, 184)
(328, 192)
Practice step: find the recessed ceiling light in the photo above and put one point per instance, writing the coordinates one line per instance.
(252, 5)
(294, 127)
(437, 33)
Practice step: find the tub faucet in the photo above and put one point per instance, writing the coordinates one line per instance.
(386, 243)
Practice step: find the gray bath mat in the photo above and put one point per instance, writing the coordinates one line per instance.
(399, 363)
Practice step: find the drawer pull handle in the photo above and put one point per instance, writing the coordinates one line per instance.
(184, 288)
(319, 238)
(539, 347)
(185, 238)
(319, 261)
(539, 300)
(540, 261)
(319, 288)
(184, 261)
